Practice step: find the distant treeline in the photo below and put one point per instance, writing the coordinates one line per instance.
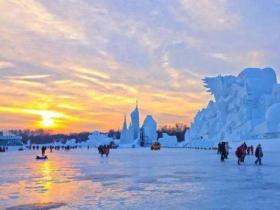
(41, 136)
(178, 130)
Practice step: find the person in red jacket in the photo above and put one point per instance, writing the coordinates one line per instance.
(240, 153)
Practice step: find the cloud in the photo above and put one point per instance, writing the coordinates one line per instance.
(28, 77)
(91, 72)
(220, 56)
(6, 65)
(209, 15)
(34, 17)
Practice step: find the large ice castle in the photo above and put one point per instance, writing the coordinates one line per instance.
(244, 107)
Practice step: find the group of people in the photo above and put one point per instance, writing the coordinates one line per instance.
(244, 150)
(104, 150)
(241, 152)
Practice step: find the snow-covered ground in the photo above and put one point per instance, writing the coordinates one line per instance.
(139, 179)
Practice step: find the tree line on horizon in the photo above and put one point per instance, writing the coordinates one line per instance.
(41, 136)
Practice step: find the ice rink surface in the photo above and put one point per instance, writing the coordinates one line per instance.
(138, 179)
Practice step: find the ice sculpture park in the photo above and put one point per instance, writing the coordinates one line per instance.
(243, 107)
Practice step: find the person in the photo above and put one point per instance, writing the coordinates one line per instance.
(43, 149)
(101, 150)
(223, 151)
(240, 153)
(243, 151)
(259, 155)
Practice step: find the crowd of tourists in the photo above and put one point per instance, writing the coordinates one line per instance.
(241, 152)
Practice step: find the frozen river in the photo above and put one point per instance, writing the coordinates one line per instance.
(138, 179)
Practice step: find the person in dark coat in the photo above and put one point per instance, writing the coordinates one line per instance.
(223, 151)
(43, 149)
(259, 155)
(243, 149)
(101, 150)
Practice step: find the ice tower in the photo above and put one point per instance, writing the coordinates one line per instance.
(135, 122)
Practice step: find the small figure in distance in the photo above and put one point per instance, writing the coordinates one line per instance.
(43, 149)
(259, 155)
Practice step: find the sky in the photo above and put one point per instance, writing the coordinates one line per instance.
(80, 65)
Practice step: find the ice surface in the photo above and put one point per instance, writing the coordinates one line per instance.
(140, 179)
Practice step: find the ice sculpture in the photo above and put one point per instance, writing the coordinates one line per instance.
(132, 133)
(246, 106)
(149, 130)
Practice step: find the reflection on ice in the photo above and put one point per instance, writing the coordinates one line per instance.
(135, 179)
(36, 206)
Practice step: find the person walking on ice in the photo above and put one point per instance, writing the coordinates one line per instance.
(259, 155)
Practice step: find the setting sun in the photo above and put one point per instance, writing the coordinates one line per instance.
(47, 121)
(48, 118)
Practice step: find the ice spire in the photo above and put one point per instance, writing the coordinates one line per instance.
(124, 136)
(124, 123)
(135, 121)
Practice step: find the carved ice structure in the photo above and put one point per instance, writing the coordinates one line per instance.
(97, 138)
(168, 141)
(130, 135)
(149, 130)
(246, 106)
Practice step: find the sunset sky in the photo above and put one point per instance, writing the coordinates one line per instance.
(77, 65)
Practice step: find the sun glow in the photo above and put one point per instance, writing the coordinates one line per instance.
(48, 119)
